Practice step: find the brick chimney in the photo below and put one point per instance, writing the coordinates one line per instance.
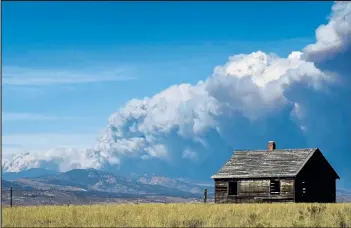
(271, 146)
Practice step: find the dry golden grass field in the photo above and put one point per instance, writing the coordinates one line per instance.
(181, 215)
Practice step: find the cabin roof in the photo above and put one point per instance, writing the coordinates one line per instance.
(261, 163)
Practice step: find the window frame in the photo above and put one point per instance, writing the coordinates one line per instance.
(230, 183)
(278, 182)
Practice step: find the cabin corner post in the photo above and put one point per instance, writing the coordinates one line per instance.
(294, 189)
(227, 183)
(215, 191)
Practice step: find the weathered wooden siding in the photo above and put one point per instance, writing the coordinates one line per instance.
(253, 190)
(253, 187)
(221, 189)
(287, 188)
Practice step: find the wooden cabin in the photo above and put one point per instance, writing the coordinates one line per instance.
(276, 175)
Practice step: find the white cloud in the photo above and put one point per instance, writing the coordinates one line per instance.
(334, 36)
(62, 159)
(249, 85)
(40, 77)
(298, 113)
(190, 154)
(254, 84)
(50, 150)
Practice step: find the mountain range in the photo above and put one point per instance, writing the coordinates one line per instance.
(82, 186)
(87, 185)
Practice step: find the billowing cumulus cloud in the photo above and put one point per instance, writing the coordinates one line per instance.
(250, 99)
(175, 123)
(334, 37)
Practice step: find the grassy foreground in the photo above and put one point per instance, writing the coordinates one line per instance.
(181, 215)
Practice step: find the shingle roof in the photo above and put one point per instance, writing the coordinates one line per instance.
(261, 163)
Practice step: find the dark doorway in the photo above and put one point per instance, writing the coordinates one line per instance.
(232, 188)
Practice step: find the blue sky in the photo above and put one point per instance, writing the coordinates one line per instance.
(159, 44)
(67, 66)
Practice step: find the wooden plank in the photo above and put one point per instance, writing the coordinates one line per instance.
(221, 187)
(253, 186)
(221, 184)
(286, 187)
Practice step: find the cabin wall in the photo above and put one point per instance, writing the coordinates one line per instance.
(253, 190)
(221, 190)
(316, 182)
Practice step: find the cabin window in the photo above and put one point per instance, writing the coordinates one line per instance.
(275, 187)
(232, 188)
